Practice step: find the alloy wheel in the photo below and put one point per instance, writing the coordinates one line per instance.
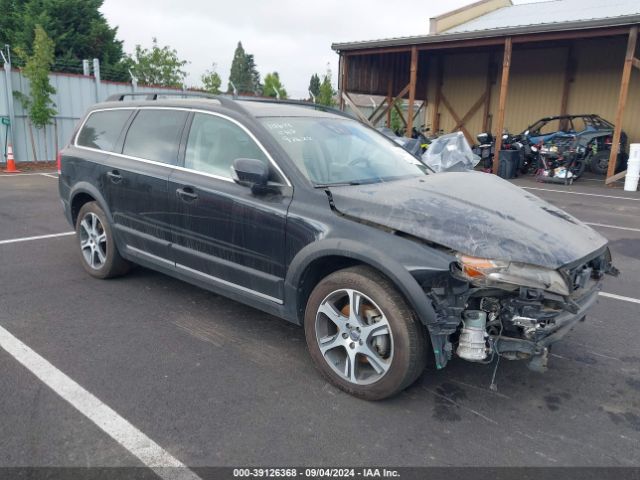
(93, 241)
(354, 336)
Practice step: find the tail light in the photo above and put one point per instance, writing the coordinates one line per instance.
(59, 162)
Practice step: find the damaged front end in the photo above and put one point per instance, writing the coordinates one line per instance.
(490, 307)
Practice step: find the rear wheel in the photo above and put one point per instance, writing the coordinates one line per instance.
(600, 162)
(362, 335)
(98, 252)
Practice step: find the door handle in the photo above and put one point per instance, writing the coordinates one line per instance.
(114, 176)
(187, 194)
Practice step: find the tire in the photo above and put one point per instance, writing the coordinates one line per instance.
(96, 246)
(579, 168)
(600, 162)
(380, 365)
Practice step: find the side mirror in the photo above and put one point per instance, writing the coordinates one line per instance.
(250, 172)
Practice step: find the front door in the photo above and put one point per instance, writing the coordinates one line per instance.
(223, 232)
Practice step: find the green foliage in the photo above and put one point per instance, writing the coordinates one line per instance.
(211, 81)
(327, 92)
(314, 85)
(77, 28)
(271, 84)
(157, 66)
(37, 66)
(244, 74)
(396, 122)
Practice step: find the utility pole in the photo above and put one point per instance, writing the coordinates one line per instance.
(6, 58)
(96, 76)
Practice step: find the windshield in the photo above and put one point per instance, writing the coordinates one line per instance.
(336, 151)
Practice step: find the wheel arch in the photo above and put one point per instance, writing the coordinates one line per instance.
(82, 193)
(319, 259)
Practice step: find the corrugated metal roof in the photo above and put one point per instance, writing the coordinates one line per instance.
(551, 16)
(550, 12)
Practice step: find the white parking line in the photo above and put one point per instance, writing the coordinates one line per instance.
(619, 297)
(108, 420)
(39, 237)
(582, 193)
(630, 229)
(50, 175)
(11, 175)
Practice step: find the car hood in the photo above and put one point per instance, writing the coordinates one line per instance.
(474, 213)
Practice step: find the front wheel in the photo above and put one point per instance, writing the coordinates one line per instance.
(362, 335)
(98, 251)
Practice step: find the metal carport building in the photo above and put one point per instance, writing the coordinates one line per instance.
(492, 65)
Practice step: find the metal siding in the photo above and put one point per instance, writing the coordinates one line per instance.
(74, 95)
(597, 84)
(464, 81)
(535, 86)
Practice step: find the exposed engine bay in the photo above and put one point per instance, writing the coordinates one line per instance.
(482, 311)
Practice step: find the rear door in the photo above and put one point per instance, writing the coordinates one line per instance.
(225, 233)
(136, 183)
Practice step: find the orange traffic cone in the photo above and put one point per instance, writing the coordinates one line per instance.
(11, 163)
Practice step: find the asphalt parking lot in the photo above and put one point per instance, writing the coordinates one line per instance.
(216, 383)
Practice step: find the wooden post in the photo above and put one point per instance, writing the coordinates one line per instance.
(487, 98)
(622, 100)
(435, 114)
(343, 79)
(504, 86)
(389, 100)
(413, 74)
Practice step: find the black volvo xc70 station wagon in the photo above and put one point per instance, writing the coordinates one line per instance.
(314, 217)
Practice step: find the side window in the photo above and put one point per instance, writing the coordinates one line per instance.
(155, 135)
(214, 143)
(102, 129)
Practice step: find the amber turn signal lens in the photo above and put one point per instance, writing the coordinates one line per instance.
(474, 267)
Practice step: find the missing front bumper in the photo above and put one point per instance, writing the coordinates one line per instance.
(537, 351)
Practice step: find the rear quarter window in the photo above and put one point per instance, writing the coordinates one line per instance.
(102, 129)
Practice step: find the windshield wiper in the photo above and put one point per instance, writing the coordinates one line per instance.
(339, 184)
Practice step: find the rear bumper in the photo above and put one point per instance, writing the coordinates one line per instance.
(537, 350)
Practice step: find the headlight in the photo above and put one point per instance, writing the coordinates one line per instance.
(484, 272)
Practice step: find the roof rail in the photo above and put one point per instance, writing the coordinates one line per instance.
(228, 102)
(224, 100)
(299, 103)
(119, 97)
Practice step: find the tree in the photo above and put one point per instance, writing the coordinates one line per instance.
(158, 66)
(244, 74)
(271, 84)
(211, 81)
(314, 85)
(327, 92)
(77, 28)
(37, 67)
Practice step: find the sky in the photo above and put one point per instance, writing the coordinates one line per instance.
(291, 37)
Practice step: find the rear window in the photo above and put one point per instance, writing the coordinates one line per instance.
(102, 129)
(155, 135)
